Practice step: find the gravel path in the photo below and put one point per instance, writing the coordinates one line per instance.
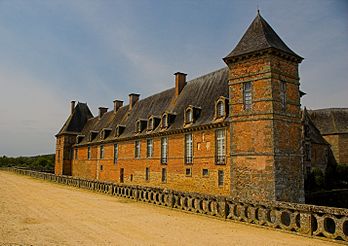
(35, 212)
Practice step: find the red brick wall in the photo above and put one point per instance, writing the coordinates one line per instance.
(204, 157)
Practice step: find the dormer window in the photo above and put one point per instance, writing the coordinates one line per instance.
(79, 138)
(221, 109)
(106, 132)
(140, 125)
(191, 114)
(119, 130)
(150, 124)
(164, 121)
(92, 135)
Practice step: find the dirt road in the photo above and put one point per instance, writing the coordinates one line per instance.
(34, 212)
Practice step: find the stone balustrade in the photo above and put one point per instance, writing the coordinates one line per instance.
(310, 220)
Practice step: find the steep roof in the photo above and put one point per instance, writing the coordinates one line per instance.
(330, 120)
(259, 36)
(201, 92)
(77, 120)
(314, 132)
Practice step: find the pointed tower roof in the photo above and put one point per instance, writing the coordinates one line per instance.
(259, 36)
(77, 120)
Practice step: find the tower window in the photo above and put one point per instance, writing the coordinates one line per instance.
(188, 148)
(283, 94)
(247, 95)
(220, 177)
(149, 148)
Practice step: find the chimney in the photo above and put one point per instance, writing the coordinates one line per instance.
(133, 98)
(117, 104)
(180, 82)
(102, 111)
(72, 106)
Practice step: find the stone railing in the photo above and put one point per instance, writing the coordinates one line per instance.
(310, 220)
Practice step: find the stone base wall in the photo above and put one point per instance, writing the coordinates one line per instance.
(309, 220)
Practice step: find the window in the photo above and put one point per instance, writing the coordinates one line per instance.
(164, 150)
(188, 148)
(165, 121)
(76, 154)
(131, 177)
(220, 107)
(205, 172)
(101, 153)
(121, 175)
(137, 149)
(147, 174)
(220, 177)
(138, 126)
(188, 172)
(150, 124)
(89, 152)
(164, 175)
(189, 116)
(101, 167)
(149, 147)
(115, 153)
(247, 95)
(220, 146)
(283, 94)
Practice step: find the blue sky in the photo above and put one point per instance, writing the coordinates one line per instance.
(56, 51)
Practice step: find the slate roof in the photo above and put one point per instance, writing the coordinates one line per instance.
(330, 120)
(314, 132)
(259, 36)
(77, 119)
(201, 92)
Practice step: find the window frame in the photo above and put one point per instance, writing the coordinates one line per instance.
(164, 121)
(282, 92)
(164, 151)
(115, 153)
(137, 150)
(101, 152)
(247, 96)
(188, 145)
(164, 175)
(221, 178)
(147, 174)
(89, 152)
(190, 171)
(220, 141)
(149, 147)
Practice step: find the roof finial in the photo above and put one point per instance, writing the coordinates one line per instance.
(258, 9)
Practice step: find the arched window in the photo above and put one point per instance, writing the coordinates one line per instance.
(189, 115)
(220, 108)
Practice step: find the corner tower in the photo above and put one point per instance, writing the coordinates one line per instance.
(265, 117)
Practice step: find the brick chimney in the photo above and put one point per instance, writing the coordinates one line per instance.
(180, 82)
(133, 98)
(102, 111)
(117, 104)
(72, 106)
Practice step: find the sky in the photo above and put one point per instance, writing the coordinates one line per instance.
(52, 52)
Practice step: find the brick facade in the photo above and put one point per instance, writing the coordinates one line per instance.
(262, 158)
